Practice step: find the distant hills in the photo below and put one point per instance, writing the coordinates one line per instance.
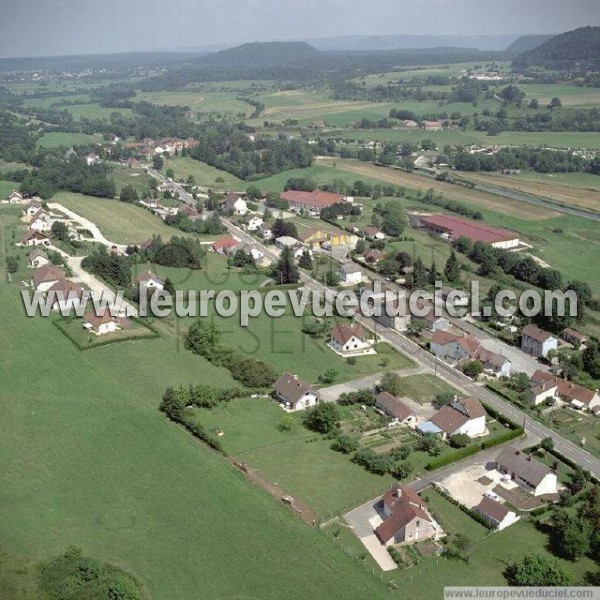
(579, 48)
(408, 42)
(261, 54)
(528, 42)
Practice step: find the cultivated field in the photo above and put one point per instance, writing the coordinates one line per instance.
(56, 139)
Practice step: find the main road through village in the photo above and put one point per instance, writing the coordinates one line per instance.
(427, 360)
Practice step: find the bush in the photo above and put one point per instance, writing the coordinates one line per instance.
(365, 457)
(442, 461)
(346, 444)
(323, 418)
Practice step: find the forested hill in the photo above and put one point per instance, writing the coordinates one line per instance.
(528, 42)
(261, 54)
(578, 48)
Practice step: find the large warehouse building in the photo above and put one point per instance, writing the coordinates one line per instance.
(452, 228)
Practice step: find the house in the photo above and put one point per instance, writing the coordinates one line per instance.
(394, 408)
(293, 393)
(265, 231)
(232, 202)
(312, 202)
(451, 228)
(462, 416)
(350, 340)
(542, 386)
(100, 323)
(189, 212)
(450, 347)
(537, 342)
(496, 513)
(149, 280)
(372, 233)
(65, 295)
(494, 363)
(373, 256)
(406, 518)
(531, 474)
(92, 159)
(254, 223)
(15, 198)
(395, 316)
(312, 237)
(224, 246)
(35, 238)
(337, 238)
(574, 337)
(38, 258)
(45, 277)
(286, 240)
(432, 321)
(409, 123)
(32, 208)
(41, 221)
(350, 274)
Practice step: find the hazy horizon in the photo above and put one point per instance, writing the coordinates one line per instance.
(71, 27)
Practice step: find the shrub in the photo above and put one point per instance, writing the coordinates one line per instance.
(346, 444)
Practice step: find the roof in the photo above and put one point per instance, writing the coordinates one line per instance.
(65, 289)
(304, 233)
(316, 198)
(226, 242)
(572, 333)
(523, 466)
(37, 253)
(31, 234)
(535, 333)
(541, 382)
(370, 230)
(428, 427)
(95, 320)
(453, 416)
(47, 273)
(470, 344)
(457, 227)
(341, 333)
(489, 507)
(286, 240)
(405, 505)
(373, 255)
(570, 391)
(441, 337)
(291, 388)
(491, 358)
(147, 276)
(393, 405)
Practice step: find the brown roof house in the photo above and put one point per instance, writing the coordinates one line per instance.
(574, 337)
(526, 471)
(406, 518)
(496, 513)
(450, 347)
(395, 408)
(100, 323)
(148, 279)
(66, 295)
(537, 342)
(293, 393)
(461, 416)
(45, 277)
(350, 340)
(35, 238)
(544, 385)
(38, 258)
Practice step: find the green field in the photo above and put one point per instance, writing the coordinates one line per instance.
(424, 388)
(6, 187)
(205, 175)
(56, 139)
(138, 178)
(120, 222)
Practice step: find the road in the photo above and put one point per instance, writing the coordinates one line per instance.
(425, 359)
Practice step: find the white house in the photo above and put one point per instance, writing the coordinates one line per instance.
(45, 277)
(150, 280)
(496, 513)
(101, 323)
(254, 223)
(38, 258)
(494, 363)
(537, 342)
(462, 416)
(65, 295)
(32, 208)
(287, 240)
(395, 408)
(41, 221)
(350, 274)
(544, 385)
(531, 474)
(35, 238)
(265, 231)
(16, 198)
(232, 202)
(350, 340)
(450, 347)
(372, 233)
(293, 393)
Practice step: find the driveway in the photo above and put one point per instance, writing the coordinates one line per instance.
(363, 520)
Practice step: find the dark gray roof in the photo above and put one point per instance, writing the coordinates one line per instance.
(523, 466)
(291, 388)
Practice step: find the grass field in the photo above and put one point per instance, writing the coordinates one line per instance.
(6, 187)
(205, 175)
(138, 178)
(120, 222)
(86, 458)
(55, 139)
(424, 388)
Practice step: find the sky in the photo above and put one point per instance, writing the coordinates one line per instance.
(57, 27)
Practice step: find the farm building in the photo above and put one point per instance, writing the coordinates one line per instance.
(313, 202)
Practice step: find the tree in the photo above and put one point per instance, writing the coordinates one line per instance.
(60, 231)
(329, 375)
(129, 194)
(346, 444)
(555, 102)
(391, 383)
(472, 369)
(419, 274)
(460, 440)
(534, 103)
(286, 270)
(571, 533)
(323, 417)
(169, 287)
(170, 174)
(463, 244)
(432, 273)
(305, 261)
(429, 443)
(158, 162)
(452, 268)
(284, 228)
(538, 571)
(12, 264)
(402, 470)
(287, 423)
(548, 444)
(202, 337)
(361, 246)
